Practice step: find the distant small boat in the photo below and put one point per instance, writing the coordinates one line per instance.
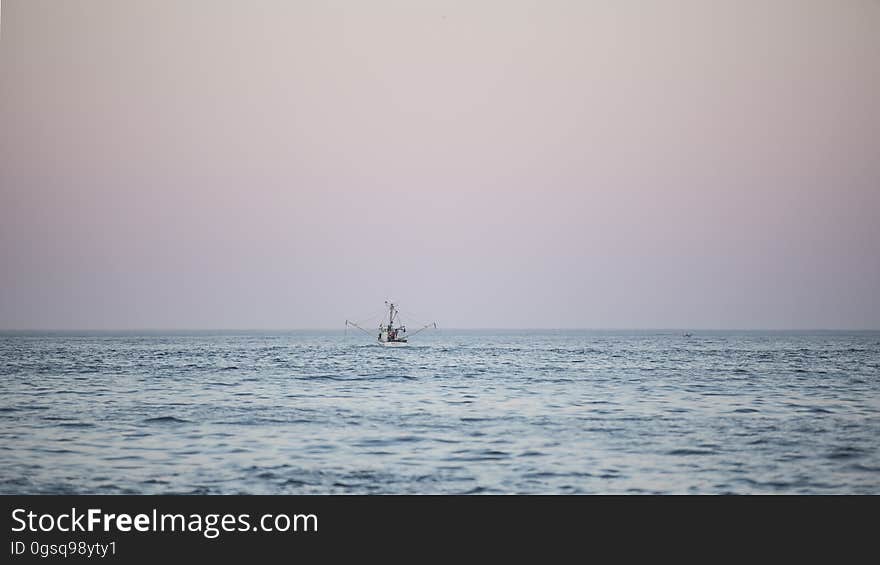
(687, 334)
(393, 332)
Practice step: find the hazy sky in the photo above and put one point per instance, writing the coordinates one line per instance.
(613, 164)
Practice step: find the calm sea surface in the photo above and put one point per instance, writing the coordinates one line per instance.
(453, 412)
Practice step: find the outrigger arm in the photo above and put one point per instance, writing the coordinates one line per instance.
(350, 323)
(423, 328)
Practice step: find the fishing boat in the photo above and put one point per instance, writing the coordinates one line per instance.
(392, 331)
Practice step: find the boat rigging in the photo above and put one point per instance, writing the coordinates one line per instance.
(392, 330)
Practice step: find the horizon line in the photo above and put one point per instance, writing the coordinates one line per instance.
(487, 328)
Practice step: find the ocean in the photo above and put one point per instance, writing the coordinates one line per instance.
(518, 412)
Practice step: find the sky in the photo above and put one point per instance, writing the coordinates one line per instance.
(486, 164)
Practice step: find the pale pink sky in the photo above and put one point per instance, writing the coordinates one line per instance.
(284, 164)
